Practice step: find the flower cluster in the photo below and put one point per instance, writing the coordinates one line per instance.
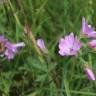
(8, 49)
(70, 45)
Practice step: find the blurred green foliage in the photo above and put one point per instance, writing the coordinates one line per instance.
(27, 75)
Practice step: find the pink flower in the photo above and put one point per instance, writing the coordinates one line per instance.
(89, 73)
(92, 44)
(87, 30)
(41, 45)
(69, 45)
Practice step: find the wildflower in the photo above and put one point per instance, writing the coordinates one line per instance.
(11, 49)
(41, 45)
(8, 49)
(87, 30)
(89, 73)
(69, 45)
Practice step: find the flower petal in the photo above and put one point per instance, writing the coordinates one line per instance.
(21, 44)
(9, 54)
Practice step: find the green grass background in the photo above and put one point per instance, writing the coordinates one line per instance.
(36, 74)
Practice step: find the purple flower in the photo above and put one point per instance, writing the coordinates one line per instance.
(69, 45)
(89, 73)
(87, 30)
(8, 49)
(41, 45)
(11, 49)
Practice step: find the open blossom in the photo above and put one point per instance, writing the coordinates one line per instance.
(89, 73)
(41, 45)
(69, 45)
(87, 30)
(8, 49)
